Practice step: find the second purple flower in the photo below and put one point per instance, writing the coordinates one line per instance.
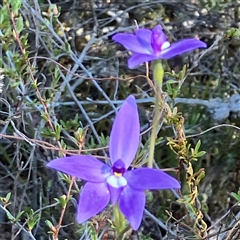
(147, 45)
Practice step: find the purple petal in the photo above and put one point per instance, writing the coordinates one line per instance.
(130, 42)
(138, 59)
(181, 47)
(125, 134)
(144, 38)
(114, 193)
(158, 38)
(83, 166)
(131, 204)
(93, 199)
(148, 178)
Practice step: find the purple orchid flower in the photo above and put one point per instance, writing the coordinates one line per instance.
(147, 45)
(115, 182)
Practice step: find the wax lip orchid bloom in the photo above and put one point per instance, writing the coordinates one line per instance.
(147, 45)
(124, 187)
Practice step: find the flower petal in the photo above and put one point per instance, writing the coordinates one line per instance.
(93, 199)
(148, 178)
(131, 204)
(181, 47)
(158, 39)
(83, 166)
(114, 193)
(138, 59)
(125, 134)
(130, 42)
(144, 37)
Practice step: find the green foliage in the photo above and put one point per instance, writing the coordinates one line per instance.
(19, 25)
(195, 154)
(236, 195)
(14, 219)
(104, 140)
(72, 124)
(63, 200)
(175, 82)
(32, 219)
(51, 227)
(5, 200)
(233, 32)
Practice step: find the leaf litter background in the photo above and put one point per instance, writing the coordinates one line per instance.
(79, 69)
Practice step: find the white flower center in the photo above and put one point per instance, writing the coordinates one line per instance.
(165, 45)
(117, 182)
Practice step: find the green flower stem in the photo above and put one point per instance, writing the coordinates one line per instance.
(119, 220)
(158, 73)
(121, 236)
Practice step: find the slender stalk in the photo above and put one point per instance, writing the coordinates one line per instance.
(119, 220)
(158, 73)
(121, 235)
(55, 237)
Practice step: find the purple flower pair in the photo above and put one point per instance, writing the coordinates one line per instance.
(116, 183)
(147, 45)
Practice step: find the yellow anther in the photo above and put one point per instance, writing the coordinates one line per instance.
(117, 174)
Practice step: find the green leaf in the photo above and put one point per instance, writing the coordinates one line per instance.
(171, 81)
(50, 225)
(198, 145)
(10, 217)
(236, 196)
(63, 200)
(19, 24)
(58, 129)
(56, 78)
(15, 84)
(52, 228)
(4, 16)
(63, 144)
(8, 196)
(183, 72)
(68, 47)
(19, 215)
(15, 4)
(93, 233)
(47, 132)
(200, 154)
(44, 116)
